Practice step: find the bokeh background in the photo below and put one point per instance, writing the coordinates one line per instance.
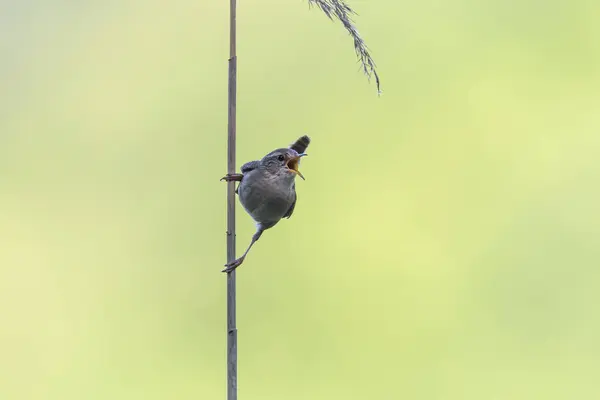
(445, 245)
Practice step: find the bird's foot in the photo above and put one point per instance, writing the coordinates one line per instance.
(233, 265)
(232, 178)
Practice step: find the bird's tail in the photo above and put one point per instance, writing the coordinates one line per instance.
(301, 144)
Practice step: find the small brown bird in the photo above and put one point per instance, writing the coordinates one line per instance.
(267, 189)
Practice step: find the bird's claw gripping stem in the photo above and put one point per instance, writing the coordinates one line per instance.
(233, 265)
(232, 178)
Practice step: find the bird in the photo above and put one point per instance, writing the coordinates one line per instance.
(267, 189)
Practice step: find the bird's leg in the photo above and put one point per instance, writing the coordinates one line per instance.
(236, 263)
(232, 177)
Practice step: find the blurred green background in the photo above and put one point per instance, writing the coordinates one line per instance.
(445, 245)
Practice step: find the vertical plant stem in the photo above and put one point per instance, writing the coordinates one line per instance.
(231, 133)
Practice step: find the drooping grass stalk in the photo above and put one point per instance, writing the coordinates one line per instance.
(339, 9)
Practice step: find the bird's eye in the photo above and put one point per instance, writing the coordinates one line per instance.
(281, 157)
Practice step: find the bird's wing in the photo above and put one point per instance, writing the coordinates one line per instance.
(249, 166)
(290, 211)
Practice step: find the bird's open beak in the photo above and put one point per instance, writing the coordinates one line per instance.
(293, 164)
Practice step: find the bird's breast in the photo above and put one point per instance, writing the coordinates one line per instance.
(264, 198)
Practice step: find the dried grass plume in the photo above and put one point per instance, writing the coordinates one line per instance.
(342, 11)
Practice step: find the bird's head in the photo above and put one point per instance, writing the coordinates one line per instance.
(283, 162)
